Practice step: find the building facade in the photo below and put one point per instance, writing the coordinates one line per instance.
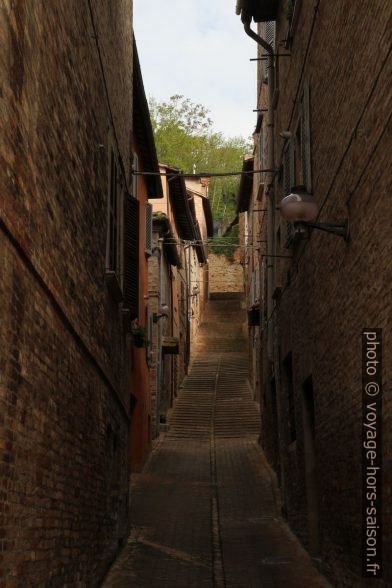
(68, 258)
(144, 189)
(323, 125)
(198, 276)
(178, 283)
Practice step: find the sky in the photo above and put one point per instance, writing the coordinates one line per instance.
(198, 48)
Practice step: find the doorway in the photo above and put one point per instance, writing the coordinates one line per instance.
(311, 467)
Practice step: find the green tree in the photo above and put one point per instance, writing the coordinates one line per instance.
(185, 138)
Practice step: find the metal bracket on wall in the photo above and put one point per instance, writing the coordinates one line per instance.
(267, 57)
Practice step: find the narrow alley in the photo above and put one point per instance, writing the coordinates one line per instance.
(205, 509)
(195, 294)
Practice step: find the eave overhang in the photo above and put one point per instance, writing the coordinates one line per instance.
(142, 131)
(259, 10)
(246, 186)
(162, 224)
(180, 205)
(208, 216)
(199, 246)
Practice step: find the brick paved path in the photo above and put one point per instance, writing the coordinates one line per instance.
(204, 510)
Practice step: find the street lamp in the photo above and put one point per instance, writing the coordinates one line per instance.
(163, 311)
(300, 208)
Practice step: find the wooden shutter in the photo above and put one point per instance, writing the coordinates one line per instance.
(255, 297)
(148, 228)
(261, 151)
(131, 256)
(305, 139)
(288, 167)
(149, 335)
(269, 37)
(263, 293)
(112, 248)
(251, 289)
(250, 228)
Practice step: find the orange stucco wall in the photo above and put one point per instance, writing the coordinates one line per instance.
(140, 434)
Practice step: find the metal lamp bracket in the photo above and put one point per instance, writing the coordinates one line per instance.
(341, 230)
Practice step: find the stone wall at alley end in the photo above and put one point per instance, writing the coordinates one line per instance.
(225, 273)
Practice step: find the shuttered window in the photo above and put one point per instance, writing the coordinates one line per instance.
(112, 257)
(269, 37)
(263, 285)
(305, 139)
(131, 257)
(148, 228)
(261, 152)
(249, 216)
(254, 295)
(149, 335)
(288, 181)
(288, 167)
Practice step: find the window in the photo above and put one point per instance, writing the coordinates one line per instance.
(114, 229)
(297, 152)
(148, 228)
(305, 139)
(131, 257)
(113, 237)
(288, 183)
(302, 167)
(289, 385)
(311, 486)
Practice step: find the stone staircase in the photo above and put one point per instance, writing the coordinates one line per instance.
(222, 328)
(216, 397)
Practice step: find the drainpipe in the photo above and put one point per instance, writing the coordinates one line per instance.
(270, 184)
(270, 224)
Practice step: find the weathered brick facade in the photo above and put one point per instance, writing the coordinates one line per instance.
(64, 403)
(330, 289)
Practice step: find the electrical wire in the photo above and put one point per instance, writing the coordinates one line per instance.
(202, 174)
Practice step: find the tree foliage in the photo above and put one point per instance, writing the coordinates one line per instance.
(185, 139)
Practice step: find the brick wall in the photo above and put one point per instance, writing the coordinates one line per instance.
(333, 289)
(63, 402)
(225, 273)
